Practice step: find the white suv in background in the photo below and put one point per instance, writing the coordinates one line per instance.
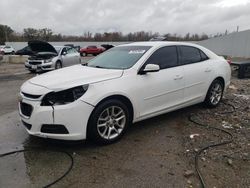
(7, 50)
(125, 84)
(47, 57)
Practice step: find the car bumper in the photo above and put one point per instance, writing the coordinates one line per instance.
(74, 117)
(41, 67)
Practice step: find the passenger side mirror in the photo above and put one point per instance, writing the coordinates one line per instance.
(150, 68)
(64, 53)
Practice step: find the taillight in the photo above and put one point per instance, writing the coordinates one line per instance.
(229, 61)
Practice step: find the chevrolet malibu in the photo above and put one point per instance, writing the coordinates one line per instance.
(126, 84)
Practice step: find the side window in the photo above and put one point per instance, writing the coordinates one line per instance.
(64, 50)
(165, 57)
(203, 56)
(189, 55)
(70, 51)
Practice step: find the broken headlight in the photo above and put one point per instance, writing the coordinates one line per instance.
(64, 97)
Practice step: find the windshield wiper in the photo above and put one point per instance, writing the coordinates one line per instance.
(97, 66)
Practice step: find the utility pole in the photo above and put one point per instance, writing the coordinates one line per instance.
(6, 37)
(237, 28)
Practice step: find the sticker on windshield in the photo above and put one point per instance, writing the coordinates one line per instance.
(136, 51)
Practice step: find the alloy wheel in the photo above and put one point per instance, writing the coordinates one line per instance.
(216, 93)
(111, 122)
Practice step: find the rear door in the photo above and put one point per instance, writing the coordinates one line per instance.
(163, 89)
(73, 56)
(198, 73)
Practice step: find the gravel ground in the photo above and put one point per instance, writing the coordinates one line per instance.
(229, 164)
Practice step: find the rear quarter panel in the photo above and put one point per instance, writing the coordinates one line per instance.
(222, 69)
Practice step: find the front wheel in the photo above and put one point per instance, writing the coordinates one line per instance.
(84, 54)
(214, 94)
(58, 65)
(108, 122)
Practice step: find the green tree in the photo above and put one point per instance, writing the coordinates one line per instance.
(5, 33)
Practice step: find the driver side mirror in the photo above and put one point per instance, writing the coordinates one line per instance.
(150, 68)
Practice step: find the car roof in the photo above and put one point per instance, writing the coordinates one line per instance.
(158, 44)
(60, 46)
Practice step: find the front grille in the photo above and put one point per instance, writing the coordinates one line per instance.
(35, 62)
(26, 109)
(31, 96)
(54, 129)
(27, 125)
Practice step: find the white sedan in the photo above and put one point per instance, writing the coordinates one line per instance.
(126, 84)
(7, 50)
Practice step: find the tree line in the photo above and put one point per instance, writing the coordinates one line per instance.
(46, 34)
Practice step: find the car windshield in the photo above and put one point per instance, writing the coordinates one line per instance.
(121, 57)
(58, 49)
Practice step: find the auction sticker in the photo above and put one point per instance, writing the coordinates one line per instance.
(136, 51)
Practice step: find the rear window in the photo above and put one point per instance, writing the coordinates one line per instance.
(189, 55)
(203, 56)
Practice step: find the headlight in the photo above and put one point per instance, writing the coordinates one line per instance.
(48, 60)
(64, 97)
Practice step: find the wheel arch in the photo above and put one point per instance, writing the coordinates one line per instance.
(58, 60)
(220, 78)
(121, 98)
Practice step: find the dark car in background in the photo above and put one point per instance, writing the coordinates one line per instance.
(25, 51)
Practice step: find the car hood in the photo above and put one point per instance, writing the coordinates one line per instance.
(41, 46)
(74, 76)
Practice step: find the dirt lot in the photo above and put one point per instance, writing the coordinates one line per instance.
(158, 152)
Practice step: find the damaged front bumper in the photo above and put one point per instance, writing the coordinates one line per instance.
(64, 122)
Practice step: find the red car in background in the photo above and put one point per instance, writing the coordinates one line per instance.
(94, 50)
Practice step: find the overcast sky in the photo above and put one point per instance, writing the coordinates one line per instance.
(163, 16)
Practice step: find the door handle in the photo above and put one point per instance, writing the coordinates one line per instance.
(178, 77)
(208, 70)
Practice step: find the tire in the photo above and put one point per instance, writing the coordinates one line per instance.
(58, 65)
(13, 53)
(94, 54)
(108, 122)
(214, 94)
(83, 54)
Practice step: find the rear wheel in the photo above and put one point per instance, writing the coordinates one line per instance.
(108, 122)
(214, 94)
(58, 65)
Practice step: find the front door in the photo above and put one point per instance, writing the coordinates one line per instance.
(161, 90)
